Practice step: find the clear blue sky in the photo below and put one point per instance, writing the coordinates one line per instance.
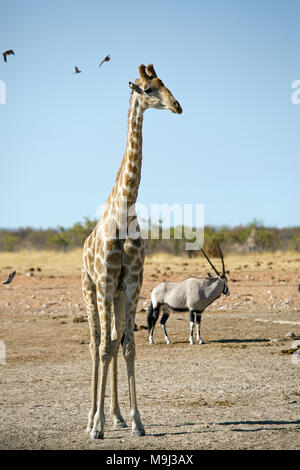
(230, 63)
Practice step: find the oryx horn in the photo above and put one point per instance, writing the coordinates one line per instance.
(210, 262)
(223, 266)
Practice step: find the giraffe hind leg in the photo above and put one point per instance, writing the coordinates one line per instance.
(89, 294)
(129, 356)
(117, 335)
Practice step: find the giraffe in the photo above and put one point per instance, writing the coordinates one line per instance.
(112, 270)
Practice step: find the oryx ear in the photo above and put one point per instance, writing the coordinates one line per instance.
(210, 276)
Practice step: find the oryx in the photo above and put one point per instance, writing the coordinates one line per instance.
(192, 295)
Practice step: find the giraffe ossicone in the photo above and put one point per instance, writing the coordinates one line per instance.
(112, 270)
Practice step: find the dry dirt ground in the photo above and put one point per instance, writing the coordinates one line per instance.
(239, 390)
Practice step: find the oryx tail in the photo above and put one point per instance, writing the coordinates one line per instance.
(150, 317)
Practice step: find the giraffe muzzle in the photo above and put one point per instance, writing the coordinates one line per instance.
(176, 108)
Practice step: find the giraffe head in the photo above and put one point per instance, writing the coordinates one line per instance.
(152, 93)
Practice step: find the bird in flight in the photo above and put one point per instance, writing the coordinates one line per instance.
(77, 70)
(6, 53)
(106, 59)
(10, 278)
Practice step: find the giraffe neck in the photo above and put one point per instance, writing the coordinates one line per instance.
(129, 174)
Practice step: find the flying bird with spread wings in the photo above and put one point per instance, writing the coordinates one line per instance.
(77, 70)
(6, 53)
(10, 278)
(106, 59)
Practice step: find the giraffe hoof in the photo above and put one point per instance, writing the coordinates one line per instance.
(138, 432)
(97, 435)
(120, 424)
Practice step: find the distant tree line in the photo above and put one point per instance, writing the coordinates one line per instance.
(231, 238)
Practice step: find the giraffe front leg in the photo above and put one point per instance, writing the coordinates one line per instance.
(118, 420)
(105, 356)
(94, 348)
(89, 294)
(97, 431)
(129, 355)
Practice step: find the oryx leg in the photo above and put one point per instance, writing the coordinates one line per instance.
(154, 318)
(198, 324)
(192, 320)
(164, 318)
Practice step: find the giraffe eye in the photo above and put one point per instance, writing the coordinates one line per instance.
(148, 90)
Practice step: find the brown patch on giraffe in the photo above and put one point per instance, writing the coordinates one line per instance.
(114, 269)
(90, 258)
(136, 159)
(136, 265)
(88, 241)
(98, 244)
(85, 260)
(101, 252)
(110, 230)
(135, 145)
(136, 293)
(130, 181)
(107, 304)
(114, 244)
(135, 136)
(133, 168)
(99, 291)
(133, 278)
(104, 214)
(104, 281)
(133, 156)
(98, 265)
(125, 193)
(157, 83)
(114, 258)
(132, 246)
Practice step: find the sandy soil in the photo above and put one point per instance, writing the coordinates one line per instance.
(239, 390)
